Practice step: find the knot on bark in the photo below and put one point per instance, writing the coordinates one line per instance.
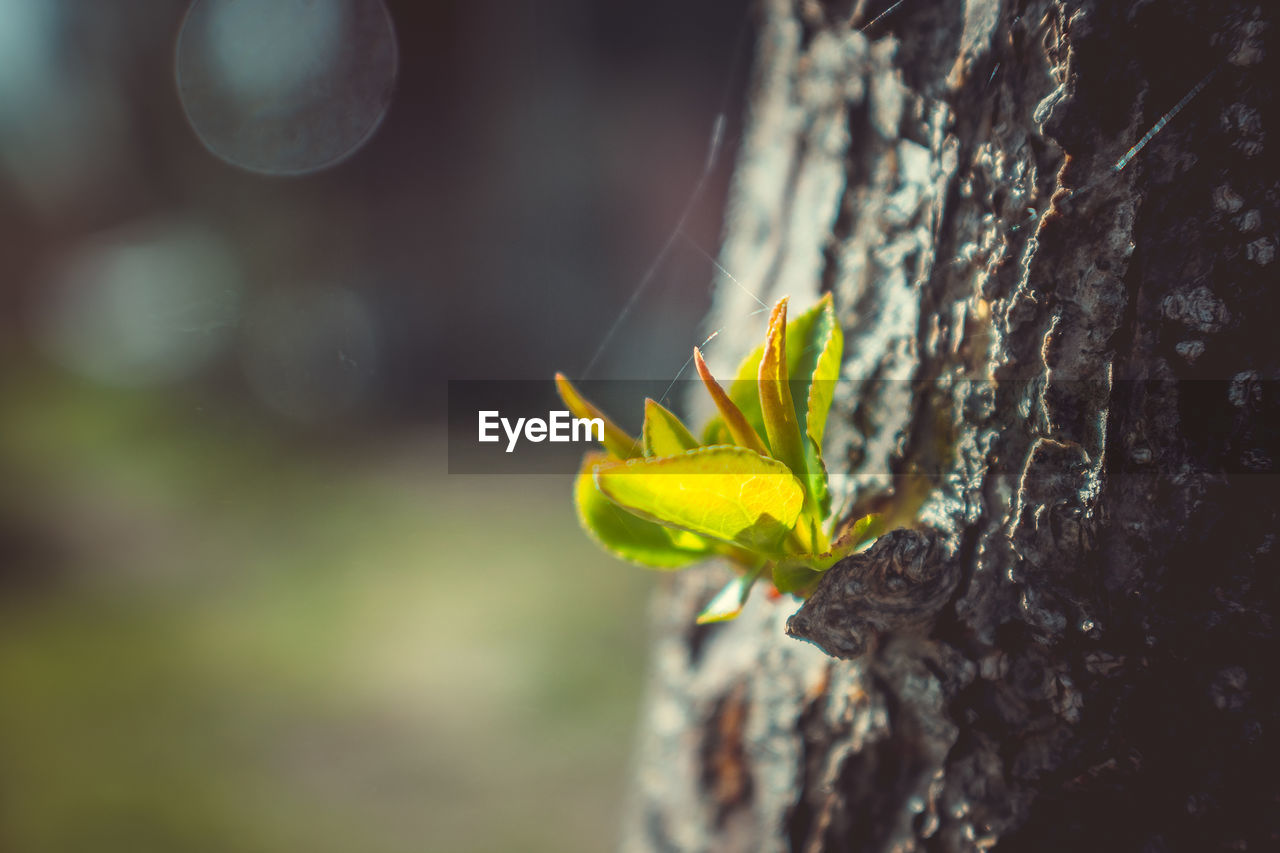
(898, 584)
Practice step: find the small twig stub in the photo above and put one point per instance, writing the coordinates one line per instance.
(897, 585)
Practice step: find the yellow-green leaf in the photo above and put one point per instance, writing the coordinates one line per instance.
(663, 434)
(742, 433)
(715, 432)
(628, 537)
(815, 345)
(799, 574)
(745, 390)
(864, 531)
(727, 493)
(775, 395)
(795, 576)
(616, 440)
(814, 348)
(729, 601)
(816, 471)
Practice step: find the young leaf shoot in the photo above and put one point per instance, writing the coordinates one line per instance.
(753, 490)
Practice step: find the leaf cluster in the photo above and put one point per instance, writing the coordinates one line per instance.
(752, 489)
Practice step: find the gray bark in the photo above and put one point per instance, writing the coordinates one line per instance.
(1073, 367)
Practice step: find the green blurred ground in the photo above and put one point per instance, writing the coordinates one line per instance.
(215, 637)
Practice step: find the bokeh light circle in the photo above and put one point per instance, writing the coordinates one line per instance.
(286, 87)
(147, 304)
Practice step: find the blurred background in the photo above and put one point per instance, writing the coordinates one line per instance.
(243, 246)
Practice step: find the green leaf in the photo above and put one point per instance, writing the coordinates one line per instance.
(795, 575)
(816, 471)
(745, 390)
(779, 411)
(715, 432)
(815, 344)
(864, 531)
(624, 535)
(663, 434)
(798, 574)
(728, 493)
(729, 601)
(616, 441)
(742, 433)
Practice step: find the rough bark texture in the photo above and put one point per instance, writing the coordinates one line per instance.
(1075, 366)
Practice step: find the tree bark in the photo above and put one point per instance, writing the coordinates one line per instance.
(1072, 366)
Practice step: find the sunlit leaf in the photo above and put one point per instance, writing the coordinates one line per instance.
(626, 536)
(616, 441)
(816, 471)
(729, 601)
(715, 432)
(742, 433)
(815, 345)
(728, 493)
(775, 395)
(862, 533)
(663, 433)
(795, 575)
(799, 574)
(745, 390)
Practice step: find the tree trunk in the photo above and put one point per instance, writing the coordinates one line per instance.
(1069, 366)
